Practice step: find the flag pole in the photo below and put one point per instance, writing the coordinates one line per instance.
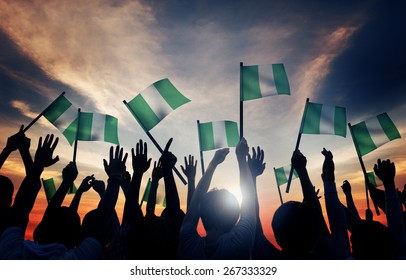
(241, 103)
(154, 142)
(42, 113)
(200, 148)
(364, 171)
(279, 189)
(75, 144)
(299, 137)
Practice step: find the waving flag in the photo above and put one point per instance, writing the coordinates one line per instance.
(155, 102)
(62, 114)
(50, 187)
(218, 134)
(373, 133)
(282, 174)
(264, 80)
(324, 119)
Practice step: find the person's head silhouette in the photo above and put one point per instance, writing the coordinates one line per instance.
(219, 210)
(59, 225)
(371, 240)
(295, 228)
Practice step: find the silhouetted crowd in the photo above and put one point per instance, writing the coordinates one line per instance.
(233, 231)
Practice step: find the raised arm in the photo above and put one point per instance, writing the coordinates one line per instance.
(28, 191)
(310, 197)
(171, 192)
(22, 143)
(346, 187)
(190, 171)
(84, 187)
(69, 174)
(386, 171)
(115, 169)
(140, 164)
(192, 215)
(157, 174)
(335, 212)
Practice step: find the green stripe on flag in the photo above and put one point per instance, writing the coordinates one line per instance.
(70, 132)
(281, 79)
(364, 142)
(340, 121)
(371, 178)
(49, 188)
(251, 89)
(53, 112)
(146, 192)
(233, 137)
(206, 136)
(311, 123)
(388, 126)
(143, 113)
(111, 130)
(172, 96)
(85, 126)
(282, 173)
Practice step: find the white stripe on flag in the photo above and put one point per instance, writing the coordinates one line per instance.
(219, 134)
(157, 103)
(266, 80)
(376, 132)
(64, 120)
(286, 169)
(327, 119)
(98, 124)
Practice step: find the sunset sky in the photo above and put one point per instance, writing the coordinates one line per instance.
(101, 52)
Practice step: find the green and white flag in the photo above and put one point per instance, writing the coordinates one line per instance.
(50, 187)
(373, 133)
(282, 174)
(160, 195)
(264, 80)
(373, 179)
(94, 127)
(62, 114)
(155, 102)
(324, 119)
(218, 134)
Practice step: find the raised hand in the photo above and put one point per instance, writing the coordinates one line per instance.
(157, 172)
(346, 187)
(386, 171)
(328, 166)
(242, 149)
(299, 161)
(220, 155)
(256, 162)
(44, 154)
(17, 140)
(116, 168)
(70, 172)
(190, 167)
(99, 187)
(168, 159)
(140, 160)
(87, 183)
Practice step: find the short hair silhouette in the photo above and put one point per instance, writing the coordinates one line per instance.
(59, 225)
(295, 228)
(219, 209)
(371, 240)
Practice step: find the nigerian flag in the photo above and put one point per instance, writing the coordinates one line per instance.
(324, 119)
(263, 80)
(62, 114)
(218, 134)
(50, 187)
(373, 133)
(155, 102)
(282, 174)
(93, 127)
(160, 195)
